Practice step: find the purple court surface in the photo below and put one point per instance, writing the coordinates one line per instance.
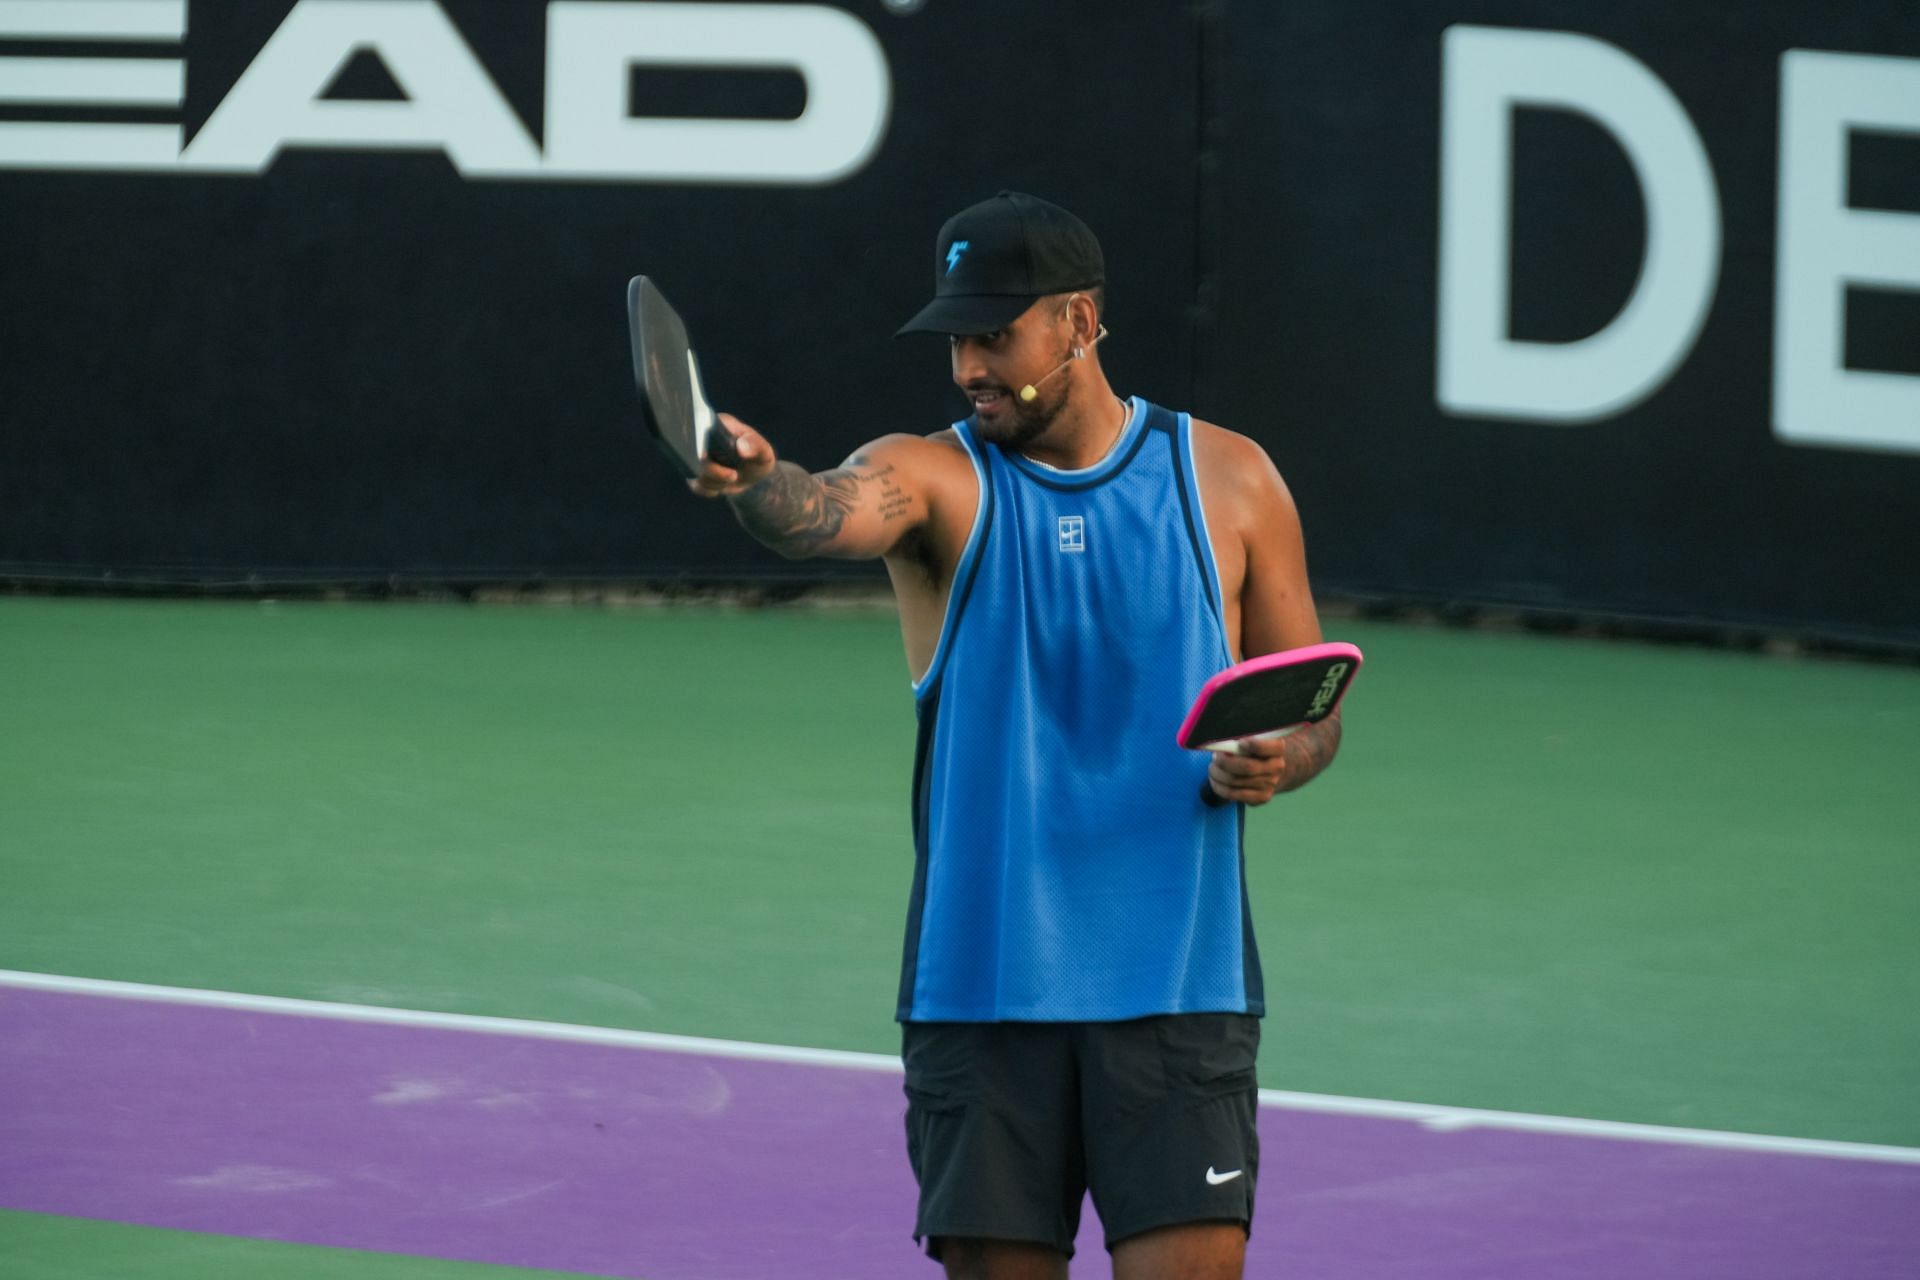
(621, 1160)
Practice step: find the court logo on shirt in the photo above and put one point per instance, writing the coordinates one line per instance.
(1073, 533)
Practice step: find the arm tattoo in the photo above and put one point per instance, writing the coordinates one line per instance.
(795, 513)
(1309, 752)
(798, 514)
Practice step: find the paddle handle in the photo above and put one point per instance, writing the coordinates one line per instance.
(719, 446)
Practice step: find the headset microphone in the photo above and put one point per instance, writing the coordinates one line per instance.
(1032, 389)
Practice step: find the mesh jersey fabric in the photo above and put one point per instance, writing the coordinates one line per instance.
(1066, 868)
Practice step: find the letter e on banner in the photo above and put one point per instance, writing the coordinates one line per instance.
(1825, 247)
(452, 104)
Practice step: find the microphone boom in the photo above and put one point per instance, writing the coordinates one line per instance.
(1032, 389)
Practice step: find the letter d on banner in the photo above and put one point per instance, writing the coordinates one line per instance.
(1488, 72)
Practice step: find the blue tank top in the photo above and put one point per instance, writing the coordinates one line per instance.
(1066, 867)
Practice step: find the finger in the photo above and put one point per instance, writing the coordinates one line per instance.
(714, 481)
(747, 442)
(1227, 776)
(1236, 767)
(1246, 780)
(1263, 748)
(746, 451)
(1242, 794)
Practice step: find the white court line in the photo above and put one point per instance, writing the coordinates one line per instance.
(524, 1028)
(1433, 1117)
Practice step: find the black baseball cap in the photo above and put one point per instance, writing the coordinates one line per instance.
(992, 260)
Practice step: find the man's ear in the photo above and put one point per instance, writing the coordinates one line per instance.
(1086, 319)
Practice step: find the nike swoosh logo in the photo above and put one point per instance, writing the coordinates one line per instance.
(1215, 1179)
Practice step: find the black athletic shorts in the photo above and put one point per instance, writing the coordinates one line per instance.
(1009, 1124)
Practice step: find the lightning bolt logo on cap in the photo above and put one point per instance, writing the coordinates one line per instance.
(955, 252)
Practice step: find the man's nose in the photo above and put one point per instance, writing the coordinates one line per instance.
(967, 362)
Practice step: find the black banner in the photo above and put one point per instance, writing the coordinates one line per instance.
(1673, 495)
(1583, 308)
(361, 364)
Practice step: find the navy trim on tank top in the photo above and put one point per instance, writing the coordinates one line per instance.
(962, 586)
(1250, 974)
(1115, 462)
(927, 713)
(1196, 528)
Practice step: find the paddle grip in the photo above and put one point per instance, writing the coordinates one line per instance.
(720, 448)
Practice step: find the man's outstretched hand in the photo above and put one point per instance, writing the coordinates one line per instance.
(729, 472)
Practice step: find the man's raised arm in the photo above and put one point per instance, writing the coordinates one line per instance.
(859, 510)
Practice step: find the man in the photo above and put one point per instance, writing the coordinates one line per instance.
(1081, 992)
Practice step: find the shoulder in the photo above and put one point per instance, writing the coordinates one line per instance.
(935, 467)
(939, 452)
(1237, 469)
(928, 479)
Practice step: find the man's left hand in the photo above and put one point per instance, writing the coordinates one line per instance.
(1254, 775)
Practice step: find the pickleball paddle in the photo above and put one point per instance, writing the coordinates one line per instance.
(1268, 697)
(666, 373)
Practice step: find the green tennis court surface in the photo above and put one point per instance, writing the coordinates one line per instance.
(45, 1247)
(1558, 876)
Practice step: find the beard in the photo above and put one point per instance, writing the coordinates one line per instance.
(1023, 422)
(1021, 425)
